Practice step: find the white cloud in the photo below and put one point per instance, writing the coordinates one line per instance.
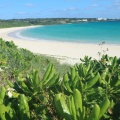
(95, 5)
(66, 10)
(72, 0)
(29, 5)
(115, 5)
(20, 13)
(4, 6)
(71, 9)
(90, 7)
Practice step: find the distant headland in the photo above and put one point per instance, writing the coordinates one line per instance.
(48, 21)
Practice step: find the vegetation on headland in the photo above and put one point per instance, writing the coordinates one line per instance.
(45, 21)
(87, 91)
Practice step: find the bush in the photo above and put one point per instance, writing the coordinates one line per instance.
(88, 91)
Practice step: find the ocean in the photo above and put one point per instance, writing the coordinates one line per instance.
(84, 32)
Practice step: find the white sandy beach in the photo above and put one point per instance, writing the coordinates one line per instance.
(66, 51)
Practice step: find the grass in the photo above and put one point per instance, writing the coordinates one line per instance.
(16, 61)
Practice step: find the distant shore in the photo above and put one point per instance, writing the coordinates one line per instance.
(65, 52)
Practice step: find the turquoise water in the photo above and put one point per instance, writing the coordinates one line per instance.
(87, 32)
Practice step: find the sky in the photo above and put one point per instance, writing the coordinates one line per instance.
(20, 9)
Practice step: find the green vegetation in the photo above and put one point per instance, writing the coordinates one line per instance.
(20, 62)
(42, 21)
(30, 22)
(87, 91)
(37, 21)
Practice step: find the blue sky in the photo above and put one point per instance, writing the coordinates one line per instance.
(10, 9)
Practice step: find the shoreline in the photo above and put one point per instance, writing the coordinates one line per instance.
(65, 52)
(16, 34)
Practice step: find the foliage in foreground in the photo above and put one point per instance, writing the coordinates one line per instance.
(89, 91)
(16, 61)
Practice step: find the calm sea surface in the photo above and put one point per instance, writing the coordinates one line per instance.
(88, 32)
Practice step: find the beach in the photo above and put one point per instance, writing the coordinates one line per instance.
(65, 52)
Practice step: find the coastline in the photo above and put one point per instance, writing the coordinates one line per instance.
(65, 52)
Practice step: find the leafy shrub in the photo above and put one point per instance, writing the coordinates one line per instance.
(88, 91)
(16, 61)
